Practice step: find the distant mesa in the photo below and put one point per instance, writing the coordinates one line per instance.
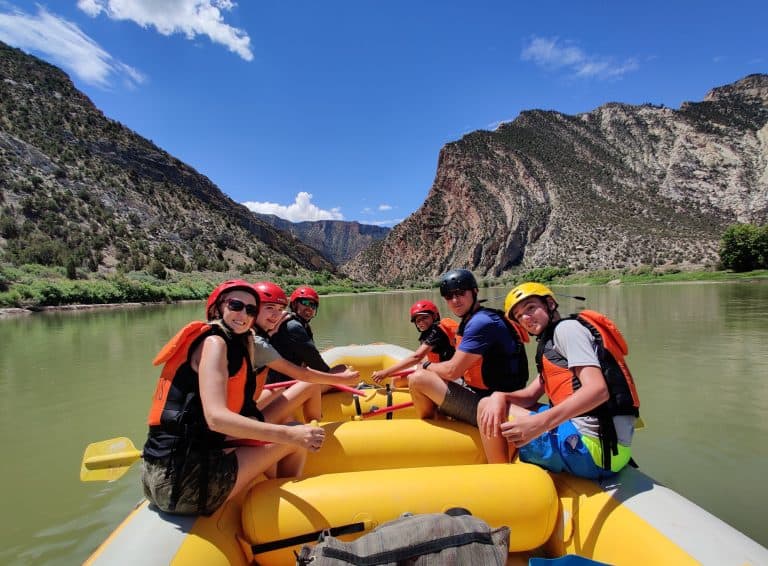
(338, 240)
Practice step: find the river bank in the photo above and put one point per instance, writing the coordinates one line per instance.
(174, 293)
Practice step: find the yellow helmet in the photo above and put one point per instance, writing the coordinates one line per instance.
(523, 291)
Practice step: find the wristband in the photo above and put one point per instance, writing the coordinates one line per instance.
(425, 365)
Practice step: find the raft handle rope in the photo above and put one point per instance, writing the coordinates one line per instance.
(308, 537)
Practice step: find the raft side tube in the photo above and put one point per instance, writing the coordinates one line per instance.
(366, 358)
(407, 443)
(520, 496)
(631, 519)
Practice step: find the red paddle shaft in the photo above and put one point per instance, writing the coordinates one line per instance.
(385, 410)
(284, 384)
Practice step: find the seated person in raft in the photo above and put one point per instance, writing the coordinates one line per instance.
(208, 439)
(437, 341)
(587, 429)
(490, 356)
(293, 338)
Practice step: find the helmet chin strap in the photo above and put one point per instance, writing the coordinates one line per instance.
(551, 310)
(471, 309)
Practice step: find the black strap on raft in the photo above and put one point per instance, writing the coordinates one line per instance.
(308, 537)
(358, 408)
(389, 402)
(608, 438)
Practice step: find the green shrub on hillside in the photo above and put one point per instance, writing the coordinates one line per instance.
(744, 247)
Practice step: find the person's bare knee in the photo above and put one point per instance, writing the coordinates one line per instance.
(282, 409)
(253, 461)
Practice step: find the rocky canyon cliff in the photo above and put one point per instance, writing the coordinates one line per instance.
(616, 187)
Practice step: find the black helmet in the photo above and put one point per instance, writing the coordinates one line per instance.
(457, 280)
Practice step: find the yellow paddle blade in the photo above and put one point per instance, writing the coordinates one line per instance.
(639, 423)
(108, 460)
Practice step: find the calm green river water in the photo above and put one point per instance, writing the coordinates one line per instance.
(699, 353)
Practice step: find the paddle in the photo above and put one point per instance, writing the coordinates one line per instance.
(109, 460)
(402, 373)
(384, 410)
(283, 384)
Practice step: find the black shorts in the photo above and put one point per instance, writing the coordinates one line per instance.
(461, 402)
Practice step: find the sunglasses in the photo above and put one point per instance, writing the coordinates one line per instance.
(236, 305)
(451, 294)
(307, 303)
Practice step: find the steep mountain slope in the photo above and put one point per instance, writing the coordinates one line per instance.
(616, 187)
(338, 240)
(80, 188)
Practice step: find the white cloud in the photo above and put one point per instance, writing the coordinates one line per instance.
(384, 207)
(190, 17)
(301, 209)
(552, 54)
(63, 43)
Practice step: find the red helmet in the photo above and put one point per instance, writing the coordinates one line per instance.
(270, 293)
(231, 285)
(424, 306)
(305, 292)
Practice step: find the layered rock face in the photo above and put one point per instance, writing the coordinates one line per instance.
(617, 187)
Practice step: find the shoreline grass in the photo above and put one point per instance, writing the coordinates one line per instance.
(34, 287)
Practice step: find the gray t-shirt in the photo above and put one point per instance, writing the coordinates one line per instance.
(264, 352)
(576, 344)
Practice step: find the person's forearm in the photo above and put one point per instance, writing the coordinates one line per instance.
(401, 365)
(227, 422)
(446, 370)
(319, 377)
(522, 398)
(582, 401)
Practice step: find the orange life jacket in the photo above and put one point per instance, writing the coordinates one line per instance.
(175, 354)
(560, 382)
(177, 390)
(449, 327)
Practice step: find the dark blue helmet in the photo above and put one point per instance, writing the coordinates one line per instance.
(457, 280)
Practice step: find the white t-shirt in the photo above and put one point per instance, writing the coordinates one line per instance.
(575, 343)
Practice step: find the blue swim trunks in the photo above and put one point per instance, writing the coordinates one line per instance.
(562, 450)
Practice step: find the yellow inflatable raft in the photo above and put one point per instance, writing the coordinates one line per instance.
(407, 443)
(521, 497)
(371, 471)
(341, 406)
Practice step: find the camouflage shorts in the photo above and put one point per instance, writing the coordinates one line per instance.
(158, 483)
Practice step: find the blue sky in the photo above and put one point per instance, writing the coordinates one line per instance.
(313, 110)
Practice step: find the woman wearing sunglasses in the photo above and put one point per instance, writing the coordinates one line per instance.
(205, 397)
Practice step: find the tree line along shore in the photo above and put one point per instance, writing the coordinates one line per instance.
(43, 289)
(30, 287)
